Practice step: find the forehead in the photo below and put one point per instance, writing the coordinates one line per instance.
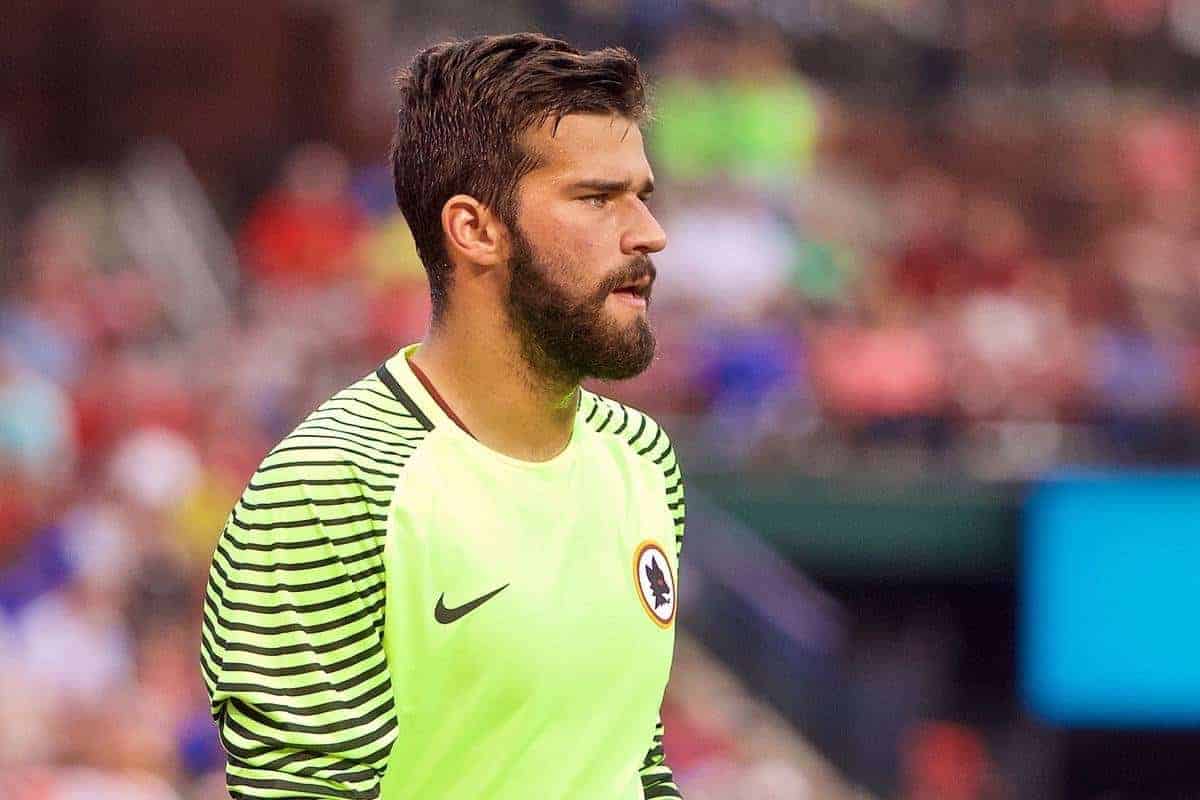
(602, 145)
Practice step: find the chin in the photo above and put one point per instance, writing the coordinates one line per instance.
(633, 359)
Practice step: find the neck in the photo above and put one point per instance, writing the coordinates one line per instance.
(503, 400)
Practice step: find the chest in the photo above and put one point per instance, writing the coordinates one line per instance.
(535, 586)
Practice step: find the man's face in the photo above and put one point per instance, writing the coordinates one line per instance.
(580, 264)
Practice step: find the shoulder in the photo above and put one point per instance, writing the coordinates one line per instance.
(640, 434)
(361, 430)
(637, 430)
(642, 438)
(337, 469)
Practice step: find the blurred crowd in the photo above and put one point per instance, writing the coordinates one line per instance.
(1003, 285)
(998, 285)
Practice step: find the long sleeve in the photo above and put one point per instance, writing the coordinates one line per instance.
(657, 779)
(292, 638)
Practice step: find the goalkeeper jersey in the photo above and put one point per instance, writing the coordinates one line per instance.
(396, 611)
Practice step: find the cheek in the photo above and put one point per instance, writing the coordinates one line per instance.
(575, 235)
(578, 252)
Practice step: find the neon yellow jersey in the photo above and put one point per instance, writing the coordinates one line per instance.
(396, 611)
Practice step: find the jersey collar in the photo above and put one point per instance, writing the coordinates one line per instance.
(397, 374)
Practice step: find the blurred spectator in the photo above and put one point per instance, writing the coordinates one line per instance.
(731, 106)
(305, 230)
(37, 432)
(947, 762)
(728, 260)
(929, 210)
(884, 380)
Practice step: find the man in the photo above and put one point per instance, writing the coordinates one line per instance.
(456, 578)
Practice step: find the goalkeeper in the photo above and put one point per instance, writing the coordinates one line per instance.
(457, 577)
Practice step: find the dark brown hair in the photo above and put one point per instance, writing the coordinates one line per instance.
(463, 107)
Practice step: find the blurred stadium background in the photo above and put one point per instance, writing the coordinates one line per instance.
(924, 256)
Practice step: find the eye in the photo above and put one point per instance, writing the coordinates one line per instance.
(596, 200)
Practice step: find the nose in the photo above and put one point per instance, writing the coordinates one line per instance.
(645, 235)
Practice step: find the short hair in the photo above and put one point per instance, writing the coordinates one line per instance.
(463, 108)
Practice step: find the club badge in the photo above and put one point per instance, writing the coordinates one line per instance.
(655, 583)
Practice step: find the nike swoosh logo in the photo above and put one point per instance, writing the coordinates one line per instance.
(447, 615)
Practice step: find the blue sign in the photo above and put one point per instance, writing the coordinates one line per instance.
(1110, 601)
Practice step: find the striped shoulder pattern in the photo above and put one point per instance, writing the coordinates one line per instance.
(292, 637)
(646, 438)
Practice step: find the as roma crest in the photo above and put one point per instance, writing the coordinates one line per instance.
(655, 583)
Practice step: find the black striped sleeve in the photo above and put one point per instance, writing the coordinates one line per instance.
(658, 781)
(657, 778)
(292, 637)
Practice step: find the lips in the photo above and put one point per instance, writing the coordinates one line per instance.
(638, 287)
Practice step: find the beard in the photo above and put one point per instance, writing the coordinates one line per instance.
(567, 338)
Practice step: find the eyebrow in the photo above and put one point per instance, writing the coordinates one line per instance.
(600, 185)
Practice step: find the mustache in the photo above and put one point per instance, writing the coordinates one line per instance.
(635, 270)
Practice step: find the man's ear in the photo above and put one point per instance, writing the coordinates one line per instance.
(474, 231)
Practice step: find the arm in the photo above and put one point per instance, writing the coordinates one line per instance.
(292, 639)
(657, 779)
